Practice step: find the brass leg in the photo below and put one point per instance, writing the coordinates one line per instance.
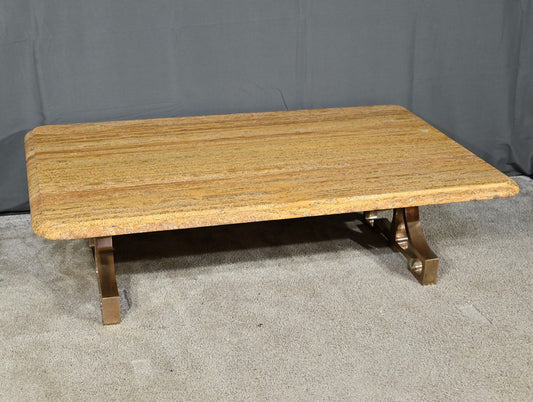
(107, 281)
(370, 217)
(405, 235)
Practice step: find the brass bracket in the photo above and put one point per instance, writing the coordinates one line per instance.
(107, 280)
(405, 235)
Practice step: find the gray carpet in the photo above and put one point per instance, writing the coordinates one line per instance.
(308, 309)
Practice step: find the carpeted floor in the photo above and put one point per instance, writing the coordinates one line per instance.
(308, 309)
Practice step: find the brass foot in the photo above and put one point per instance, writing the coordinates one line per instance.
(405, 235)
(107, 281)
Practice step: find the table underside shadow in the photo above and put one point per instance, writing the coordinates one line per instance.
(404, 234)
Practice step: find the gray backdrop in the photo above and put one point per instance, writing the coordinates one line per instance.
(465, 66)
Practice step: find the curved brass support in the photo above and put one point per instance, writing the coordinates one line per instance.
(107, 281)
(399, 235)
(405, 235)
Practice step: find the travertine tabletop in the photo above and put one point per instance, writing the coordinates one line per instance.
(103, 179)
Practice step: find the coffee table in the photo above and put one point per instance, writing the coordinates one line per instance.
(98, 180)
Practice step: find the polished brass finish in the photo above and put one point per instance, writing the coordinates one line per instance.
(107, 281)
(405, 235)
(370, 216)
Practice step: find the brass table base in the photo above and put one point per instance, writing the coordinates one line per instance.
(107, 280)
(404, 234)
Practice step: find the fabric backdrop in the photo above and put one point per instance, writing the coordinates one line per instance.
(464, 66)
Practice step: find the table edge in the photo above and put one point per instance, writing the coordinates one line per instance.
(54, 230)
